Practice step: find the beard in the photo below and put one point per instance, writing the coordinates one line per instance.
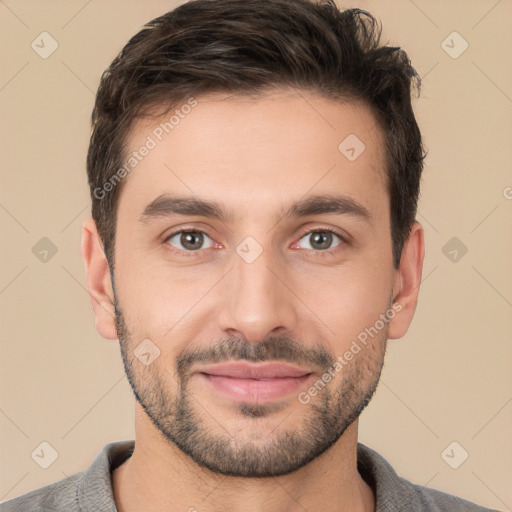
(185, 423)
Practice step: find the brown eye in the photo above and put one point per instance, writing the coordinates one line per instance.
(188, 240)
(321, 239)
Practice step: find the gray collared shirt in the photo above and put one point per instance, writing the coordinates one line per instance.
(91, 490)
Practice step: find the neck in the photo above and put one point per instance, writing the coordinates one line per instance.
(159, 477)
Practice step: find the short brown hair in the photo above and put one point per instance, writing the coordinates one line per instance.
(249, 47)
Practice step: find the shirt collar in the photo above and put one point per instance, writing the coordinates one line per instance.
(95, 487)
(94, 490)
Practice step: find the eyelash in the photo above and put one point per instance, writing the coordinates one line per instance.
(316, 253)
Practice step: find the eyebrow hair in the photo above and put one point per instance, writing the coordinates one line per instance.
(166, 205)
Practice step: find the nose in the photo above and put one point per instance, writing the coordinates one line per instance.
(257, 300)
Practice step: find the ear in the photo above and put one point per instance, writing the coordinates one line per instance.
(407, 282)
(98, 280)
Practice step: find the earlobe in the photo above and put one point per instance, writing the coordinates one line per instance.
(407, 282)
(99, 283)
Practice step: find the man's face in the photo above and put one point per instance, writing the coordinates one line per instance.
(255, 286)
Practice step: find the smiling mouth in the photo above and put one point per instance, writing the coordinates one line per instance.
(254, 383)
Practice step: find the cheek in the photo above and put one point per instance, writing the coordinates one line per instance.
(158, 301)
(350, 300)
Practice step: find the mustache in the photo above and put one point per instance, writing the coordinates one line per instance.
(281, 348)
(273, 348)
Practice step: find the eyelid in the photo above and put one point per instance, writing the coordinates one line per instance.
(344, 237)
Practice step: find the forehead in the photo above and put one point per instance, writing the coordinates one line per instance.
(247, 152)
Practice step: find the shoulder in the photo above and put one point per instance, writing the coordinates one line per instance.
(58, 496)
(433, 500)
(89, 490)
(395, 493)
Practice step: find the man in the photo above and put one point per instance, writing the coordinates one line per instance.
(254, 170)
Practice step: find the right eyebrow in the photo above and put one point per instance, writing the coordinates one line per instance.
(166, 205)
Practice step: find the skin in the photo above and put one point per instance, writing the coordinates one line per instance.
(256, 156)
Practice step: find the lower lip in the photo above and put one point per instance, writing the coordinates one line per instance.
(253, 390)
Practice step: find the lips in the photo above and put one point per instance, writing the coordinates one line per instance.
(254, 383)
(261, 371)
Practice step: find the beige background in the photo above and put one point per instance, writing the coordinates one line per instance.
(448, 380)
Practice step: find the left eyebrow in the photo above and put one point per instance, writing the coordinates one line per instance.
(328, 203)
(167, 205)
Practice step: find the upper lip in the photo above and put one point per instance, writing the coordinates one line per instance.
(243, 370)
